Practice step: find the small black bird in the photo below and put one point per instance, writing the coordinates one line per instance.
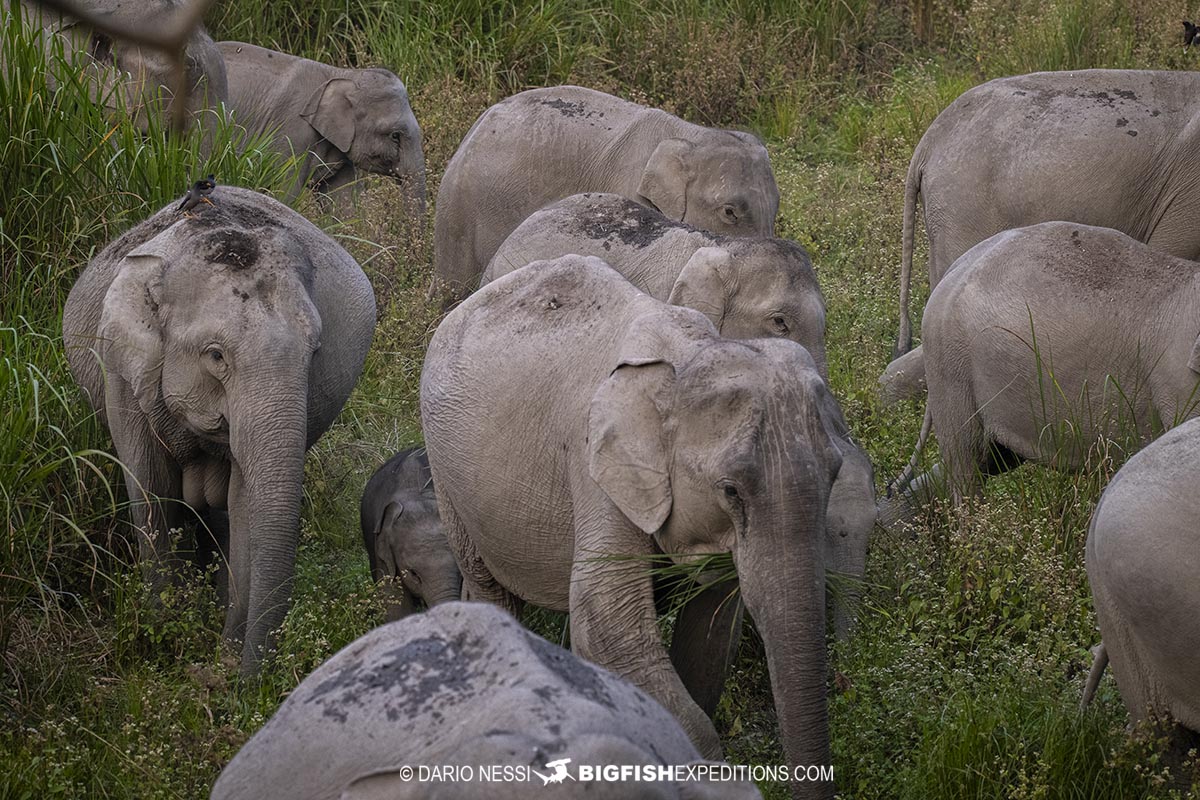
(198, 194)
(1191, 35)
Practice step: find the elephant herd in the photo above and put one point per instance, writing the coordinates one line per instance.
(634, 368)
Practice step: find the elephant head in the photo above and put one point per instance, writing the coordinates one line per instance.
(411, 548)
(722, 183)
(723, 448)
(212, 325)
(756, 288)
(366, 115)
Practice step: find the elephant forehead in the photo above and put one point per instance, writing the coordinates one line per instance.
(421, 676)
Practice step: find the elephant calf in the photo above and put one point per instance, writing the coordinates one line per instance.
(1143, 555)
(1043, 339)
(218, 347)
(462, 686)
(344, 121)
(546, 144)
(404, 538)
(630, 429)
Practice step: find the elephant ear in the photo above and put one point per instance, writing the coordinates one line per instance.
(130, 331)
(666, 177)
(704, 283)
(1194, 358)
(383, 546)
(330, 111)
(627, 447)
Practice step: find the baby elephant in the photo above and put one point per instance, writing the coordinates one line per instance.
(1143, 554)
(749, 287)
(403, 535)
(343, 121)
(1042, 340)
(499, 711)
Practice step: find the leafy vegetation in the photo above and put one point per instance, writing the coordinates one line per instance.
(963, 678)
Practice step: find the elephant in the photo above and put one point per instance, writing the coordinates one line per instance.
(129, 74)
(218, 348)
(1043, 339)
(343, 121)
(1143, 552)
(1102, 147)
(546, 144)
(404, 538)
(749, 287)
(464, 689)
(632, 431)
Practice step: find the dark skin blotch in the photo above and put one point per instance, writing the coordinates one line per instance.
(580, 676)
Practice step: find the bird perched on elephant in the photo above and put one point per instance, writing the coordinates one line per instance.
(631, 429)
(1109, 148)
(126, 75)
(462, 686)
(218, 348)
(748, 287)
(1143, 551)
(404, 538)
(342, 121)
(546, 144)
(1042, 340)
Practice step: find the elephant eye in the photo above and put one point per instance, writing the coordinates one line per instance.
(731, 491)
(397, 136)
(781, 326)
(216, 355)
(730, 213)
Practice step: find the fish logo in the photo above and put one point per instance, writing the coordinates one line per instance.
(558, 775)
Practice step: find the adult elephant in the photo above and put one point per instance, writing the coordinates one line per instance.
(460, 689)
(1110, 148)
(218, 348)
(546, 144)
(1143, 551)
(748, 287)
(130, 75)
(343, 121)
(1043, 340)
(631, 430)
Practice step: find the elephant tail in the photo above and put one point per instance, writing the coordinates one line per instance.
(912, 189)
(910, 471)
(1099, 662)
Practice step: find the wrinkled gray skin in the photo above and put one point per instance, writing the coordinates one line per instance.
(1112, 349)
(462, 684)
(632, 429)
(1111, 148)
(137, 74)
(1143, 551)
(546, 144)
(218, 349)
(404, 538)
(747, 287)
(345, 121)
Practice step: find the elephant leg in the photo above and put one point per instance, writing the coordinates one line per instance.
(707, 633)
(613, 620)
(961, 438)
(153, 481)
(478, 583)
(237, 606)
(212, 547)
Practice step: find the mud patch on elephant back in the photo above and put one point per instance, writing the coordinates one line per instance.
(568, 108)
(231, 247)
(585, 679)
(633, 224)
(421, 676)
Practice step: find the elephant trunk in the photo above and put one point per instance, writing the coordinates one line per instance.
(412, 185)
(445, 591)
(782, 576)
(268, 439)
